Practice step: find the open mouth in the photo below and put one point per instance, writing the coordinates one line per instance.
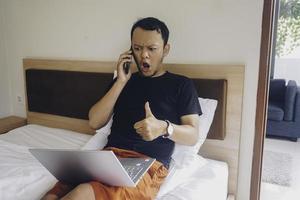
(146, 65)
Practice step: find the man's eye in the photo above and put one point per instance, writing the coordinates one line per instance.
(152, 49)
(136, 48)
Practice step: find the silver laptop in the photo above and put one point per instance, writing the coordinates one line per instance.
(80, 166)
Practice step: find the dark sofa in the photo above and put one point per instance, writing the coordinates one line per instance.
(284, 110)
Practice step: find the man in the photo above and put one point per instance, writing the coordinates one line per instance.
(152, 110)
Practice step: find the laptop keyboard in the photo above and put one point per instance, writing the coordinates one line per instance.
(133, 171)
(135, 167)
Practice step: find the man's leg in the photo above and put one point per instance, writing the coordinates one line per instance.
(146, 189)
(82, 191)
(50, 197)
(59, 190)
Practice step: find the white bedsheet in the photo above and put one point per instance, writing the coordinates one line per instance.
(44, 137)
(196, 182)
(22, 177)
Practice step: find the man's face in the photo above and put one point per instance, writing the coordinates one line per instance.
(149, 51)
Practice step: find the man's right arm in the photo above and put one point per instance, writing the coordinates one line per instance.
(101, 112)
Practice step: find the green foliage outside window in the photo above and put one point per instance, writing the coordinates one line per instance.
(288, 28)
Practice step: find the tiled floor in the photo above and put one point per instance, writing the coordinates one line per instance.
(277, 192)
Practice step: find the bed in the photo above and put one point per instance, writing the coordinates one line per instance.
(25, 178)
(62, 125)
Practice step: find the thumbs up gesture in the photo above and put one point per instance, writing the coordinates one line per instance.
(150, 127)
(148, 111)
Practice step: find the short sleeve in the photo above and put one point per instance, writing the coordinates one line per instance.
(188, 102)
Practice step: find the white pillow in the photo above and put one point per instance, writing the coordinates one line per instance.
(99, 140)
(184, 155)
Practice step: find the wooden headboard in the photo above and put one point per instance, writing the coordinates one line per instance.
(60, 93)
(72, 93)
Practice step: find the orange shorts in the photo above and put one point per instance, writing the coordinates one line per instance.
(147, 188)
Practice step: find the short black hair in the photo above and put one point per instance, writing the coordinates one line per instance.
(151, 24)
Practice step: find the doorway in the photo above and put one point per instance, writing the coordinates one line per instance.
(281, 151)
(273, 62)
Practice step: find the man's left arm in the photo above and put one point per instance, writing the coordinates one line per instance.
(186, 133)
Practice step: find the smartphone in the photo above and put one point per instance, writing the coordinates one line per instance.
(126, 65)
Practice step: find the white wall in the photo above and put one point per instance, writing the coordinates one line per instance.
(202, 31)
(5, 95)
(287, 68)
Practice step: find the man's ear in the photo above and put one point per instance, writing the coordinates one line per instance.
(166, 50)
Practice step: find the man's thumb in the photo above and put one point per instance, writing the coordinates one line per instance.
(148, 110)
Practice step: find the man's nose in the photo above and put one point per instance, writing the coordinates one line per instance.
(145, 53)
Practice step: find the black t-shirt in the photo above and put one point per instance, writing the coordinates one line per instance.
(170, 96)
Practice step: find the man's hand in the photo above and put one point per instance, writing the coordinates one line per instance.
(150, 127)
(124, 57)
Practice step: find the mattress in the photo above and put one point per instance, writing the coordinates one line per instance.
(23, 177)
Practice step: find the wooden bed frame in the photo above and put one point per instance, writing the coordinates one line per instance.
(224, 142)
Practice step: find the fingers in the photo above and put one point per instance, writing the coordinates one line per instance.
(144, 130)
(148, 111)
(141, 127)
(140, 130)
(125, 57)
(144, 133)
(142, 123)
(138, 124)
